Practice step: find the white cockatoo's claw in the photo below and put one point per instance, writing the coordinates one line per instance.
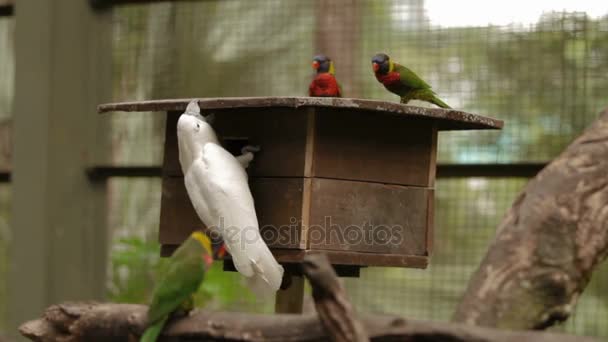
(210, 118)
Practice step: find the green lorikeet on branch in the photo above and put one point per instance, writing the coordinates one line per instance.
(186, 270)
(403, 81)
(324, 84)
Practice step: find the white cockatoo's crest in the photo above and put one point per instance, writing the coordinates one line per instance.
(194, 109)
(217, 185)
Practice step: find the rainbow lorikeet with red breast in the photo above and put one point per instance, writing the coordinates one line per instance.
(324, 84)
(403, 81)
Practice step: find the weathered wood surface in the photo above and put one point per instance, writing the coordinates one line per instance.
(369, 217)
(291, 298)
(335, 311)
(278, 204)
(548, 244)
(281, 132)
(447, 119)
(339, 258)
(357, 145)
(125, 322)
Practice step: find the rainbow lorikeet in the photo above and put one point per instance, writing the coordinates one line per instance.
(186, 270)
(324, 84)
(403, 81)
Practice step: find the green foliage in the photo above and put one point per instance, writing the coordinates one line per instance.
(136, 265)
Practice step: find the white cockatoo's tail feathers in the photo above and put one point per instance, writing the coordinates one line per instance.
(268, 273)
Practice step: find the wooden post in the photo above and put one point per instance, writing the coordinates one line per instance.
(59, 242)
(291, 300)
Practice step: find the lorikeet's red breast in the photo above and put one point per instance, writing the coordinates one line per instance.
(324, 84)
(391, 81)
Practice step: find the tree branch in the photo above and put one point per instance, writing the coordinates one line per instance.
(125, 322)
(548, 244)
(333, 307)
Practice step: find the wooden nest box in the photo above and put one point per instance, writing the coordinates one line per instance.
(353, 178)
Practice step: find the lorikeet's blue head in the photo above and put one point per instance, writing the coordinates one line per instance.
(381, 63)
(322, 64)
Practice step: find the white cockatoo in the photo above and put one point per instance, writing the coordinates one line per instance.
(216, 182)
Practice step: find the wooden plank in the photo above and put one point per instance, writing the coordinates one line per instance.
(291, 300)
(306, 199)
(433, 156)
(430, 232)
(368, 217)
(280, 135)
(359, 145)
(278, 204)
(59, 233)
(177, 216)
(354, 258)
(447, 119)
(338, 258)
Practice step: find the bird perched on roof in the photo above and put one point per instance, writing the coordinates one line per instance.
(186, 270)
(217, 185)
(324, 84)
(403, 81)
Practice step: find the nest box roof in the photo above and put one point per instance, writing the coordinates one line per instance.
(447, 119)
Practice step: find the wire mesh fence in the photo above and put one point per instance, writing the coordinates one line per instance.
(544, 76)
(543, 70)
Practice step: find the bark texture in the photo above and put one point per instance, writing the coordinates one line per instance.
(548, 244)
(125, 322)
(333, 307)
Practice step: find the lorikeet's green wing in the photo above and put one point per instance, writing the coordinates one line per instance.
(340, 93)
(409, 78)
(185, 274)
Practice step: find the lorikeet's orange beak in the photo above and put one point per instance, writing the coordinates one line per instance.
(315, 65)
(375, 66)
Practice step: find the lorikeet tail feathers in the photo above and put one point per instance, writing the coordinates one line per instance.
(437, 101)
(153, 331)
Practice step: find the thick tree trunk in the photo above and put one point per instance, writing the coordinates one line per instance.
(125, 322)
(548, 244)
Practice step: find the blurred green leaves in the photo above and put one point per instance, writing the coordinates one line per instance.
(136, 266)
